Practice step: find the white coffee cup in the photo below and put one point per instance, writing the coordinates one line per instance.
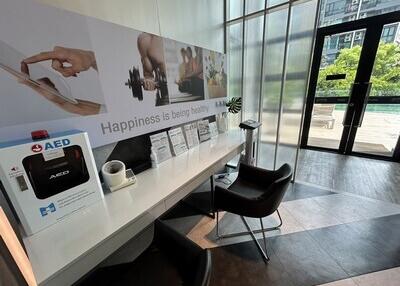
(113, 173)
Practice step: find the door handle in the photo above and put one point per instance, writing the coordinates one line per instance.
(349, 113)
(357, 104)
(366, 88)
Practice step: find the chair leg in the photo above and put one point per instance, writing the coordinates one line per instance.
(217, 217)
(263, 252)
(264, 239)
(262, 230)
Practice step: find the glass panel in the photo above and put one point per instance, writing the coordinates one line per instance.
(339, 63)
(298, 61)
(379, 131)
(251, 92)
(234, 55)
(385, 75)
(326, 125)
(380, 128)
(339, 11)
(271, 3)
(254, 6)
(273, 67)
(234, 9)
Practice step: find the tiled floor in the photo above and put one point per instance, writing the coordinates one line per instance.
(326, 237)
(322, 210)
(359, 252)
(311, 257)
(377, 179)
(389, 277)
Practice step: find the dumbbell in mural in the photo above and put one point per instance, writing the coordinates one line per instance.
(135, 83)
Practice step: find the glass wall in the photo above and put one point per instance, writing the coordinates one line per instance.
(252, 67)
(234, 43)
(234, 9)
(274, 53)
(275, 72)
(254, 6)
(297, 65)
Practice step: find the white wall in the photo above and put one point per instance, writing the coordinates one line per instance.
(196, 22)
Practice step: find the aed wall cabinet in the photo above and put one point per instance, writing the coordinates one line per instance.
(50, 177)
(47, 180)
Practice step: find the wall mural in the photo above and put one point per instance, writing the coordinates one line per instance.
(60, 70)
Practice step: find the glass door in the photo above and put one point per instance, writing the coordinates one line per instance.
(336, 74)
(379, 131)
(353, 103)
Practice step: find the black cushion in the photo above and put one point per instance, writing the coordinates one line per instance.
(246, 188)
(255, 193)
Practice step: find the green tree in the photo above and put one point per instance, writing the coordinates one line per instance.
(385, 76)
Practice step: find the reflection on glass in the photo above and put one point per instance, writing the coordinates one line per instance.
(339, 11)
(271, 3)
(326, 125)
(254, 6)
(340, 57)
(252, 69)
(380, 128)
(273, 68)
(379, 131)
(385, 75)
(234, 9)
(234, 56)
(298, 60)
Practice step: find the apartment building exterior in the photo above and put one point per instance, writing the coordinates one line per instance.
(339, 11)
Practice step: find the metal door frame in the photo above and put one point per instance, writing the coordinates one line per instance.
(373, 26)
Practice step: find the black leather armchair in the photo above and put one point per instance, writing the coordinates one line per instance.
(192, 262)
(172, 259)
(255, 193)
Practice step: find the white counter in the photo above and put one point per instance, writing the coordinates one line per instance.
(66, 251)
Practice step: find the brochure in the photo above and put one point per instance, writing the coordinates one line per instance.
(213, 129)
(160, 147)
(204, 130)
(178, 141)
(192, 137)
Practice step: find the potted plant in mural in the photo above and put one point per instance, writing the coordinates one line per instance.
(215, 74)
